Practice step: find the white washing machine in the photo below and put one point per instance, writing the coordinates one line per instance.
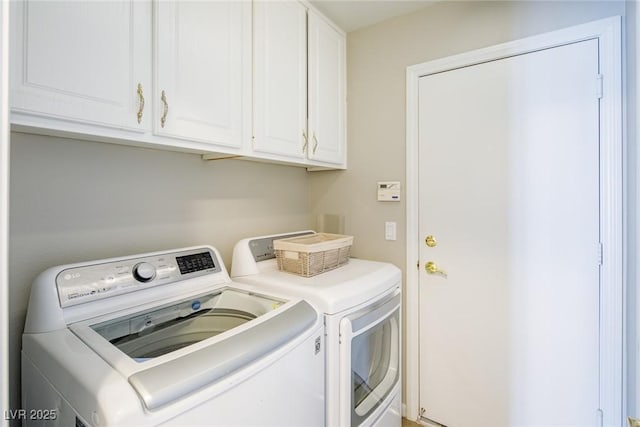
(361, 302)
(167, 338)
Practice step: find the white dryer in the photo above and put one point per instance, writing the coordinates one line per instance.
(167, 338)
(361, 302)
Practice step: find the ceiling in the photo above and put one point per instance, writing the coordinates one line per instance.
(351, 15)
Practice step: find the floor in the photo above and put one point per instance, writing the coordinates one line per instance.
(409, 423)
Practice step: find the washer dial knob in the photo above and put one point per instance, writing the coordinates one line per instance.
(144, 272)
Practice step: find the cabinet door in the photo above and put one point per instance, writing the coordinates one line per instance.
(82, 61)
(202, 54)
(280, 78)
(327, 97)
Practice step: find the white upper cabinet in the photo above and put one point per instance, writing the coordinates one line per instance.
(299, 85)
(202, 71)
(82, 62)
(327, 93)
(261, 80)
(280, 78)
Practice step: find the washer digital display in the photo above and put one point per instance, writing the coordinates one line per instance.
(196, 262)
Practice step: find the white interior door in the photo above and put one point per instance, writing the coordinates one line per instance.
(509, 188)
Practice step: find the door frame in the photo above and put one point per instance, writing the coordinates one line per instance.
(608, 32)
(5, 391)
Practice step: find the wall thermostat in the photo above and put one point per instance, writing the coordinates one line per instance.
(389, 191)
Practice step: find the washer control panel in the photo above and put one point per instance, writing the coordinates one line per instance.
(86, 283)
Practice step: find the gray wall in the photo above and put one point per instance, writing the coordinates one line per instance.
(377, 57)
(77, 201)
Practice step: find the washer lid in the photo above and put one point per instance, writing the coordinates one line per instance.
(161, 330)
(176, 378)
(163, 363)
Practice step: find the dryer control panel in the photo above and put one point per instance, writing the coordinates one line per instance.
(84, 283)
(262, 248)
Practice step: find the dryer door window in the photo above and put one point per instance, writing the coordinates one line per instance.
(373, 347)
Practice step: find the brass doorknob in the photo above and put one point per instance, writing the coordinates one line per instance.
(432, 268)
(431, 241)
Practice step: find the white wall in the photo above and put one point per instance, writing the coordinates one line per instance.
(77, 200)
(4, 200)
(377, 57)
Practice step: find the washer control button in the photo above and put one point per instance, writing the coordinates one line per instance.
(144, 272)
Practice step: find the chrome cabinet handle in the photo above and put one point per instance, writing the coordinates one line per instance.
(315, 143)
(165, 108)
(306, 140)
(140, 102)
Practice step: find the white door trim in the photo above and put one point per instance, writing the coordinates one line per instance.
(613, 329)
(4, 207)
(634, 405)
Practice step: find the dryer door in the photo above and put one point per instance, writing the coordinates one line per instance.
(370, 354)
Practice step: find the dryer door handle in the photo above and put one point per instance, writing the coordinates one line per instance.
(369, 317)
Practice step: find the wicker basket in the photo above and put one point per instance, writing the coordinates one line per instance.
(313, 254)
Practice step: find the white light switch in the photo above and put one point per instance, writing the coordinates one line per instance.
(390, 230)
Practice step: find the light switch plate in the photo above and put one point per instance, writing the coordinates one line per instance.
(390, 230)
